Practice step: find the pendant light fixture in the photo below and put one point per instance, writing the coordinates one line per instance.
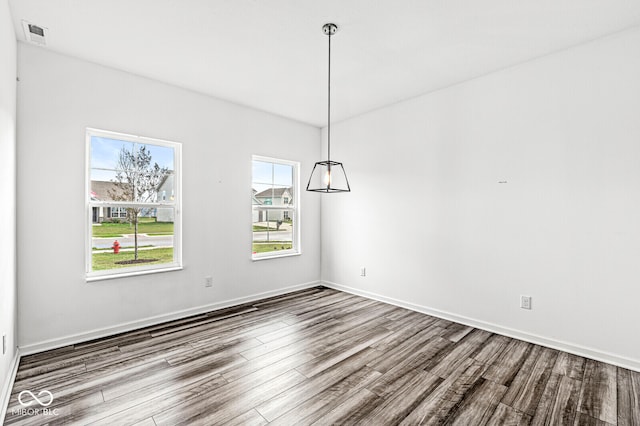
(328, 176)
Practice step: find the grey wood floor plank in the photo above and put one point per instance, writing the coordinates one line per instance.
(171, 374)
(340, 310)
(129, 412)
(250, 418)
(491, 349)
(404, 349)
(320, 303)
(202, 322)
(238, 332)
(310, 335)
(527, 387)
(295, 329)
(395, 378)
(41, 370)
(321, 356)
(400, 314)
(508, 416)
(272, 360)
(598, 396)
(412, 319)
(586, 420)
(78, 386)
(27, 360)
(393, 410)
(459, 353)
(570, 365)
(438, 405)
(286, 401)
(234, 347)
(317, 407)
(504, 369)
(352, 410)
(559, 401)
(294, 295)
(205, 333)
(207, 410)
(133, 358)
(628, 397)
(145, 422)
(408, 331)
(76, 355)
(477, 407)
(342, 352)
(48, 377)
(455, 332)
(183, 386)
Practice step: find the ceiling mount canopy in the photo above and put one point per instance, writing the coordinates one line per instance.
(328, 176)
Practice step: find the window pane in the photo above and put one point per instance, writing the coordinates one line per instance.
(272, 230)
(127, 171)
(262, 174)
(105, 188)
(162, 155)
(283, 174)
(105, 152)
(155, 245)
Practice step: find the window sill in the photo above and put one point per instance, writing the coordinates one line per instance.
(276, 256)
(93, 278)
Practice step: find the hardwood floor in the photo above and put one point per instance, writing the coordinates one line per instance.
(319, 356)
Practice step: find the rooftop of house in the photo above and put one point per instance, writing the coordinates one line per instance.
(273, 192)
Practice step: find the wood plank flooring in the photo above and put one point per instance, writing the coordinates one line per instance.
(321, 357)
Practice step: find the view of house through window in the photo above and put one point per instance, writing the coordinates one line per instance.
(274, 207)
(133, 204)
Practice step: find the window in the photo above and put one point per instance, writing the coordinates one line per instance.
(132, 227)
(118, 212)
(276, 227)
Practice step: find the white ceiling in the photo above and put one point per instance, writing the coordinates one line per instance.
(272, 54)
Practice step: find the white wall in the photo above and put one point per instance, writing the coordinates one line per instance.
(435, 229)
(58, 98)
(8, 301)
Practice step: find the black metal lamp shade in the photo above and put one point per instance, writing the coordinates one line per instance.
(328, 176)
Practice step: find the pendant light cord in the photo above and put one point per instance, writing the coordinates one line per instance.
(329, 105)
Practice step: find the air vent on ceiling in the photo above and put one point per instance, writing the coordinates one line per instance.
(34, 33)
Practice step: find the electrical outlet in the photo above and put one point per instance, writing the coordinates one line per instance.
(208, 281)
(525, 302)
(4, 344)
(363, 271)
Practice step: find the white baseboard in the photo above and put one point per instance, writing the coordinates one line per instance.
(5, 392)
(158, 319)
(583, 351)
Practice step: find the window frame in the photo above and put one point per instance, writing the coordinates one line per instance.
(175, 204)
(296, 248)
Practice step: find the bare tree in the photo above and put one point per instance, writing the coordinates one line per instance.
(137, 181)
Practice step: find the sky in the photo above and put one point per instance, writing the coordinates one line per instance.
(104, 155)
(267, 175)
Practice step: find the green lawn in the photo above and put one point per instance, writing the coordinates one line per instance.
(102, 261)
(147, 225)
(271, 246)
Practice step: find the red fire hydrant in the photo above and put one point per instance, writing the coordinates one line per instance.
(116, 247)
